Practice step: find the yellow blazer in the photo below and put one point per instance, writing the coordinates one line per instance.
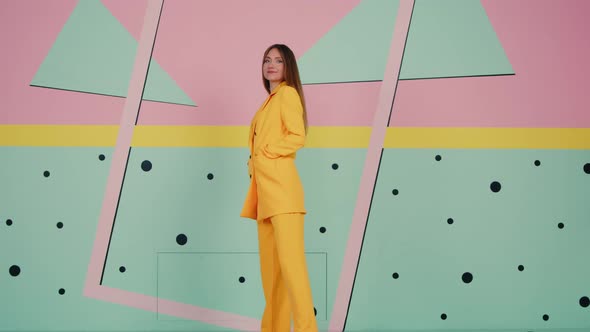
(277, 131)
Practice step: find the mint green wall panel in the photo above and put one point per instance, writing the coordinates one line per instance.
(490, 236)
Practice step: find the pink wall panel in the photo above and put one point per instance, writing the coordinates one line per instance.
(213, 50)
(547, 44)
(350, 104)
(221, 73)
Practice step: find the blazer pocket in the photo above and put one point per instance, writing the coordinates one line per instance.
(266, 165)
(263, 152)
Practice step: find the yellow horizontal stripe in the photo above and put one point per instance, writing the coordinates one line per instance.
(237, 136)
(318, 137)
(487, 138)
(203, 136)
(338, 137)
(58, 135)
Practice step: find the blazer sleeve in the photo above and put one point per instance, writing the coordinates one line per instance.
(292, 117)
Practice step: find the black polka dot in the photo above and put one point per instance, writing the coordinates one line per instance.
(14, 270)
(443, 316)
(537, 163)
(467, 277)
(395, 191)
(101, 157)
(585, 301)
(395, 275)
(210, 176)
(242, 279)
(450, 221)
(334, 166)
(560, 225)
(438, 157)
(495, 186)
(46, 174)
(146, 165)
(181, 239)
(61, 291)
(322, 229)
(315, 311)
(122, 269)
(545, 317)
(587, 168)
(520, 268)
(8, 222)
(60, 225)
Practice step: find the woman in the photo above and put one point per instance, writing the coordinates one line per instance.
(275, 197)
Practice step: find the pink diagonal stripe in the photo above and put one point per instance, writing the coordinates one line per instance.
(121, 153)
(172, 308)
(380, 123)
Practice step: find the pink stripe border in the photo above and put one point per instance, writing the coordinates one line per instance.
(367, 185)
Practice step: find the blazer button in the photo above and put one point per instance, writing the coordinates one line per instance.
(250, 157)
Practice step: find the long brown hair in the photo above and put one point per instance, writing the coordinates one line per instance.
(291, 74)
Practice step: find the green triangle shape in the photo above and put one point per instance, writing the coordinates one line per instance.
(355, 49)
(94, 53)
(452, 38)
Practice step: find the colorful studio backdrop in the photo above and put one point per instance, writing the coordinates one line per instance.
(446, 171)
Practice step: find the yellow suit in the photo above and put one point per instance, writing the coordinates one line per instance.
(277, 131)
(275, 201)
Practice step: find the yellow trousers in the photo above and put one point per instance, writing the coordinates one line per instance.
(285, 279)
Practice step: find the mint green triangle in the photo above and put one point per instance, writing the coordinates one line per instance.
(447, 38)
(94, 53)
(355, 49)
(452, 38)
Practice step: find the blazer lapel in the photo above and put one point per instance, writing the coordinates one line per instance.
(258, 119)
(255, 125)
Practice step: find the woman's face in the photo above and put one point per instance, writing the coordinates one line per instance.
(273, 67)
